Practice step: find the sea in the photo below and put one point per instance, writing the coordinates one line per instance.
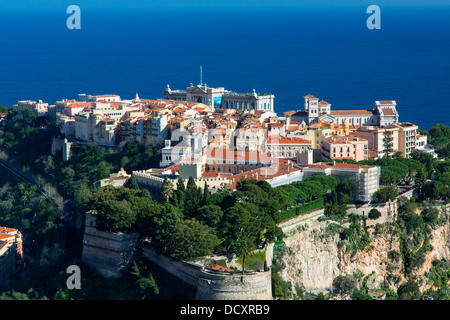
(328, 52)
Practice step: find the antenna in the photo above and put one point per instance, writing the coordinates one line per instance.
(201, 74)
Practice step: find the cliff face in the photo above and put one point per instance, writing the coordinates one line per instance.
(316, 257)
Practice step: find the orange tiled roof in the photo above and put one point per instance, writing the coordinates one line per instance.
(286, 140)
(280, 167)
(388, 111)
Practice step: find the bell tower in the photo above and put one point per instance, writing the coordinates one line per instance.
(312, 106)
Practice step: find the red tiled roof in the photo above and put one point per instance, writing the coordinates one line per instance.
(216, 267)
(285, 140)
(279, 167)
(388, 111)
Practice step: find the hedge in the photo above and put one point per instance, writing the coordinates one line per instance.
(293, 212)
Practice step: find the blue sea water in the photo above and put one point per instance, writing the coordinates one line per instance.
(328, 52)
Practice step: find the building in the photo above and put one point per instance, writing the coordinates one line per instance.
(345, 147)
(422, 145)
(220, 98)
(406, 137)
(11, 251)
(376, 138)
(366, 177)
(318, 131)
(38, 107)
(118, 179)
(99, 124)
(105, 97)
(287, 147)
(384, 113)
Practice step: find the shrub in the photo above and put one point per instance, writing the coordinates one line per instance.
(374, 214)
(256, 264)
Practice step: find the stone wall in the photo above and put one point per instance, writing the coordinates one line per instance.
(188, 272)
(215, 286)
(291, 225)
(256, 286)
(109, 253)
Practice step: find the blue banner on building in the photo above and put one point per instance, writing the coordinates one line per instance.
(217, 101)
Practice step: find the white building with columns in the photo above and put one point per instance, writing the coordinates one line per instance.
(220, 98)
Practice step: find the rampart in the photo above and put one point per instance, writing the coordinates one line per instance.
(108, 253)
(213, 285)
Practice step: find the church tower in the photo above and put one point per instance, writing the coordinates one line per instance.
(312, 106)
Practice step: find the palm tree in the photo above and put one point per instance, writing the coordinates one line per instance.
(167, 189)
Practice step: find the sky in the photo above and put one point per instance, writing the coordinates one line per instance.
(207, 4)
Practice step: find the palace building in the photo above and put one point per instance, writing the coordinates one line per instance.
(220, 98)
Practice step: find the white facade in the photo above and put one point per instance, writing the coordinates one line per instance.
(38, 107)
(383, 114)
(220, 98)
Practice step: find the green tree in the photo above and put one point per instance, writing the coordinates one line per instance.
(146, 284)
(385, 194)
(210, 215)
(420, 180)
(409, 291)
(345, 190)
(206, 194)
(193, 198)
(388, 143)
(115, 216)
(190, 240)
(243, 227)
(424, 158)
(180, 192)
(374, 214)
(132, 183)
(164, 222)
(345, 284)
(167, 190)
(430, 215)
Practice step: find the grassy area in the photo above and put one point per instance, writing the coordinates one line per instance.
(257, 255)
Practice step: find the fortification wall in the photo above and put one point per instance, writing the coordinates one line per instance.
(108, 253)
(215, 286)
(188, 272)
(256, 286)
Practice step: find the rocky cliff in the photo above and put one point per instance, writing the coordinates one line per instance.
(316, 255)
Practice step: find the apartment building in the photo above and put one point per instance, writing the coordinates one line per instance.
(345, 147)
(407, 137)
(375, 137)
